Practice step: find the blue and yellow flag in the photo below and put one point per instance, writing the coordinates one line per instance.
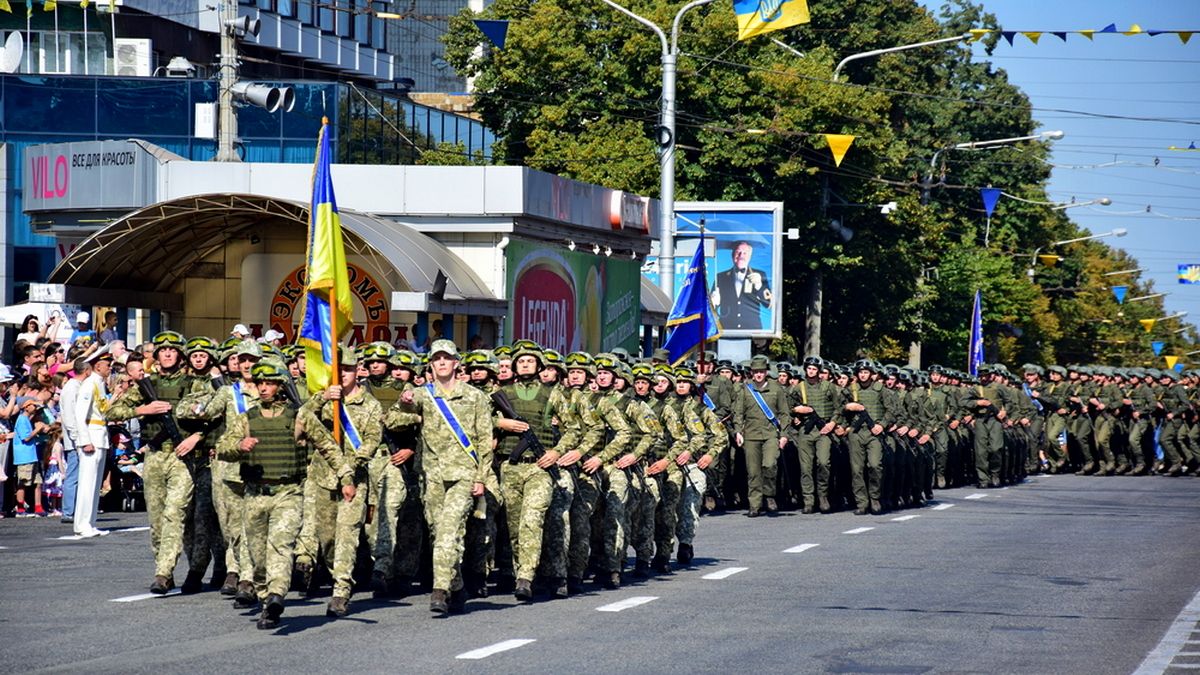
(327, 301)
(692, 316)
(1189, 274)
(756, 17)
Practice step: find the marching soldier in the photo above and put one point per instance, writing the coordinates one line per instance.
(869, 418)
(709, 438)
(814, 405)
(760, 432)
(615, 458)
(399, 537)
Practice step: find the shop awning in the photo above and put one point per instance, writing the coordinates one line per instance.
(655, 304)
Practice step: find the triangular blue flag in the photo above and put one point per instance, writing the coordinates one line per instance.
(1119, 292)
(1060, 34)
(1008, 35)
(1157, 346)
(1153, 33)
(1192, 145)
(1179, 367)
(496, 31)
(1110, 28)
(990, 197)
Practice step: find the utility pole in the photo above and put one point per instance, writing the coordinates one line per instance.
(227, 76)
(816, 292)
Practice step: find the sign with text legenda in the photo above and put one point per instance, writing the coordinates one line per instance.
(571, 300)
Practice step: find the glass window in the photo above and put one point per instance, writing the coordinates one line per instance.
(304, 11)
(61, 105)
(132, 107)
(286, 8)
(52, 52)
(343, 14)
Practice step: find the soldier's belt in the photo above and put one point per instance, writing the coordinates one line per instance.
(268, 488)
(524, 459)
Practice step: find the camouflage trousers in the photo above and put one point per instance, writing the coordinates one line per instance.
(227, 502)
(448, 505)
(619, 497)
(332, 531)
(641, 521)
(527, 490)
(398, 538)
(486, 539)
(556, 534)
(168, 484)
(689, 504)
(588, 489)
(666, 516)
(271, 523)
(375, 472)
(202, 540)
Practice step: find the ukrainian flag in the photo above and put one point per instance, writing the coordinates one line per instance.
(692, 319)
(327, 308)
(756, 17)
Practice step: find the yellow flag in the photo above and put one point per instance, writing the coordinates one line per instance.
(1184, 36)
(755, 17)
(978, 34)
(50, 5)
(1049, 260)
(1148, 324)
(1171, 361)
(1033, 35)
(1087, 33)
(1133, 30)
(838, 145)
(83, 4)
(5, 7)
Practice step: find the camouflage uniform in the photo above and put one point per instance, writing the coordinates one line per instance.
(527, 488)
(580, 431)
(167, 478)
(669, 482)
(588, 486)
(617, 493)
(710, 438)
(337, 523)
(649, 438)
(398, 534)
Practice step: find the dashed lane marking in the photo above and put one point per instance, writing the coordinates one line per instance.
(800, 549)
(625, 604)
(145, 596)
(942, 507)
(1172, 643)
(977, 495)
(725, 573)
(858, 530)
(484, 652)
(901, 519)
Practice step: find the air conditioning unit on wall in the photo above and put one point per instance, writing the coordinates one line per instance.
(132, 57)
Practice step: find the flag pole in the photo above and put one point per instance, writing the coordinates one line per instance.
(704, 282)
(335, 360)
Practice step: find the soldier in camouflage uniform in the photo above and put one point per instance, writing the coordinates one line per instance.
(525, 477)
(720, 388)
(400, 535)
(643, 402)
(168, 473)
(272, 462)
(708, 439)
(457, 431)
(615, 459)
(987, 404)
(374, 357)
(664, 473)
(589, 487)
(202, 538)
(339, 470)
(487, 544)
(237, 397)
(868, 418)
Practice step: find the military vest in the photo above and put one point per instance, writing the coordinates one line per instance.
(276, 457)
(532, 404)
(384, 390)
(170, 390)
(871, 398)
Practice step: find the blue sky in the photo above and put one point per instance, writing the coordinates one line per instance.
(1127, 76)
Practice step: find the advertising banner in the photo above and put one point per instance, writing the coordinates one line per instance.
(744, 261)
(571, 300)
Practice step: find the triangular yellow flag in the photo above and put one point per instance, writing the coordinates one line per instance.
(1171, 361)
(1033, 35)
(83, 4)
(978, 34)
(5, 7)
(1087, 33)
(838, 145)
(1184, 36)
(1048, 260)
(50, 6)
(1133, 30)
(1147, 323)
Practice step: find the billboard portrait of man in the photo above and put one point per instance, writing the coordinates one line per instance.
(742, 292)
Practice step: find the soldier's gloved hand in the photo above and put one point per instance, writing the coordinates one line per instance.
(704, 462)
(247, 444)
(548, 459)
(401, 456)
(684, 458)
(569, 458)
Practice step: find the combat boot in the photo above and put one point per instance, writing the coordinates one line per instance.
(710, 504)
(379, 585)
(230, 585)
(523, 590)
(272, 610)
(876, 507)
(218, 578)
(1087, 469)
(685, 554)
(861, 512)
(612, 581)
(338, 607)
(161, 585)
(1139, 470)
(458, 600)
(399, 586)
(772, 507)
(437, 602)
(193, 582)
(808, 509)
(244, 598)
(661, 565)
(823, 503)
(941, 482)
(641, 569)
(559, 588)
(574, 585)
(305, 571)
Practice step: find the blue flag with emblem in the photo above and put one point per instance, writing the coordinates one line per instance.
(975, 345)
(452, 422)
(692, 316)
(755, 17)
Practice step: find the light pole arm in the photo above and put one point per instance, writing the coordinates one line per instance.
(889, 50)
(679, 18)
(662, 37)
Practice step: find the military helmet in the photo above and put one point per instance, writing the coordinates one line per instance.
(664, 370)
(643, 371)
(724, 364)
(622, 354)
(552, 359)
(581, 361)
(685, 374)
(503, 352)
(377, 351)
(269, 349)
(168, 338)
(1058, 369)
(402, 358)
(269, 371)
(623, 372)
(528, 348)
(606, 361)
(481, 359)
(814, 361)
(229, 347)
(201, 343)
(248, 348)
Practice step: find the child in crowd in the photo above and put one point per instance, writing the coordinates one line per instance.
(52, 482)
(27, 456)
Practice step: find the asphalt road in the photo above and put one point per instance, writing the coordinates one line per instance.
(1062, 574)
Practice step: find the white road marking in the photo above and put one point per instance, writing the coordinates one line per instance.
(484, 652)
(3, 548)
(1004, 488)
(901, 519)
(800, 549)
(143, 528)
(942, 507)
(1159, 659)
(69, 537)
(858, 530)
(625, 604)
(725, 573)
(145, 596)
(977, 495)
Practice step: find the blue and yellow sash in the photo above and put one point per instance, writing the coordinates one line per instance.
(452, 422)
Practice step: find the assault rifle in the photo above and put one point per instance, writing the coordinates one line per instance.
(527, 440)
(170, 429)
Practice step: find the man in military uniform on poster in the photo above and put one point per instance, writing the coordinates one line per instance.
(741, 292)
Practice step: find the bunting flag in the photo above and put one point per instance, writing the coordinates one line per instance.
(1089, 33)
(327, 300)
(755, 17)
(1148, 324)
(990, 196)
(1157, 347)
(838, 145)
(1048, 259)
(1189, 274)
(5, 7)
(1171, 361)
(1190, 148)
(1033, 35)
(1119, 292)
(1135, 29)
(496, 31)
(1060, 34)
(975, 343)
(1178, 367)
(50, 6)
(692, 319)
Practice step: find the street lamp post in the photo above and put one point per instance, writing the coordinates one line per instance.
(666, 141)
(976, 145)
(889, 50)
(1118, 232)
